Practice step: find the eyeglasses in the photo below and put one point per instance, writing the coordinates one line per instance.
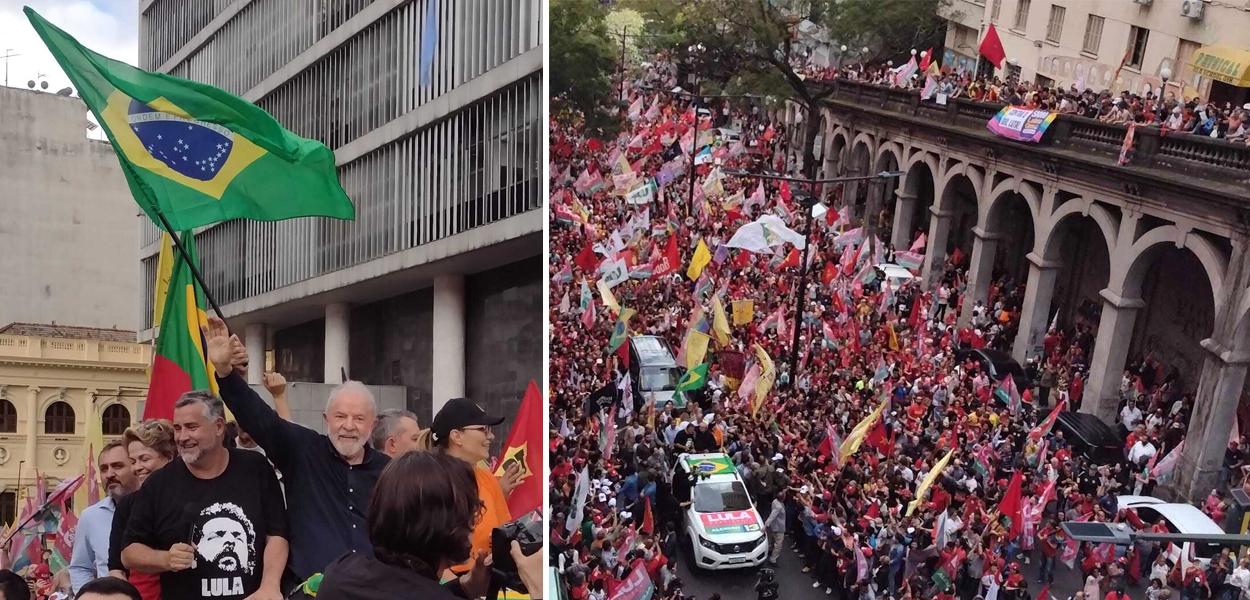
(481, 428)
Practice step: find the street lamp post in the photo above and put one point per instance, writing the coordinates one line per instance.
(808, 201)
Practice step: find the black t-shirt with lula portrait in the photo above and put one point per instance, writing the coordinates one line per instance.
(227, 518)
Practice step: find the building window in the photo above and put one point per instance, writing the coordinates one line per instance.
(995, 10)
(8, 417)
(1093, 35)
(59, 419)
(116, 419)
(1054, 27)
(1136, 46)
(1022, 15)
(8, 506)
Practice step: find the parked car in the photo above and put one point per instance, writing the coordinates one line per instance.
(1089, 437)
(1179, 518)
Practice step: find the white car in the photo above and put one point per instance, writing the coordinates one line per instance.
(1179, 518)
(724, 529)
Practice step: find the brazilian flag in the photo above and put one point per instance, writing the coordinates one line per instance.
(693, 379)
(196, 154)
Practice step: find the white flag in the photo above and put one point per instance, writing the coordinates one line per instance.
(764, 234)
(627, 396)
(613, 271)
(580, 494)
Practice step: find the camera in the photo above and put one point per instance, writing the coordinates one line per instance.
(526, 531)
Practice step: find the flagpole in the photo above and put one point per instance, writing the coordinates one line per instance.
(195, 271)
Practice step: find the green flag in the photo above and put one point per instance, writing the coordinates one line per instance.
(196, 154)
(693, 379)
(620, 331)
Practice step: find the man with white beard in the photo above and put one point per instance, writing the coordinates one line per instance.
(328, 478)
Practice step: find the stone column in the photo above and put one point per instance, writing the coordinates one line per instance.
(1215, 412)
(1036, 310)
(1106, 366)
(255, 341)
(32, 428)
(935, 252)
(337, 340)
(448, 332)
(980, 271)
(904, 211)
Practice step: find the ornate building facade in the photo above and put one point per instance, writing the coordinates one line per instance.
(54, 380)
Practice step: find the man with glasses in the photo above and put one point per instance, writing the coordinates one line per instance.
(463, 430)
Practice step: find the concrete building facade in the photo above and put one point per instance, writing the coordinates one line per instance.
(1155, 249)
(433, 111)
(1084, 42)
(54, 381)
(68, 243)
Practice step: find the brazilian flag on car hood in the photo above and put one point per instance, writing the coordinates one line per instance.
(194, 153)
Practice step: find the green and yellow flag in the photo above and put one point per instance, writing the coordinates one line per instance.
(179, 364)
(196, 154)
(693, 379)
(620, 330)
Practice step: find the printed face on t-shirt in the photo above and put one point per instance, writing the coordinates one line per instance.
(226, 539)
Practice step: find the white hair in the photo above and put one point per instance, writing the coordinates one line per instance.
(355, 387)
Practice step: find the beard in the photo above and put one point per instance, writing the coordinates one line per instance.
(190, 455)
(346, 447)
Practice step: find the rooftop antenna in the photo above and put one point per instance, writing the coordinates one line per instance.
(8, 53)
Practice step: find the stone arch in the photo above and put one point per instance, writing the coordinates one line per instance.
(911, 180)
(991, 206)
(1138, 258)
(1241, 326)
(943, 185)
(1076, 207)
(885, 151)
(865, 141)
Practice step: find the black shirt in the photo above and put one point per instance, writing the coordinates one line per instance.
(357, 577)
(326, 497)
(227, 518)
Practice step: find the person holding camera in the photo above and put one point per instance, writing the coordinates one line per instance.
(420, 521)
(766, 586)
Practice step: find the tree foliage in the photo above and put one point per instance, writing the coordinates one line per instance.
(582, 62)
(748, 46)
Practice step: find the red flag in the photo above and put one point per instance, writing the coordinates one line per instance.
(785, 187)
(1011, 504)
(648, 521)
(913, 321)
(992, 47)
(925, 60)
(792, 259)
(829, 273)
(586, 259)
(623, 353)
(1044, 427)
(742, 259)
(672, 258)
(65, 533)
(525, 448)
(1045, 593)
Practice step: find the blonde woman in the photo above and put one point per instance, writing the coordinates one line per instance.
(151, 446)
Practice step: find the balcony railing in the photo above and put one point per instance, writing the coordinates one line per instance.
(1178, 153)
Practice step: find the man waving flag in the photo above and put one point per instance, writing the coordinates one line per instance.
(193, 154)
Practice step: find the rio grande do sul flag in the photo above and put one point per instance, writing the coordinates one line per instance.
(525, 446)
(179, 364)
(196, 154)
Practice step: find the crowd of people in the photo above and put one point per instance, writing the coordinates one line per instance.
(1159, 108)
(263, 508)
(1006, 476)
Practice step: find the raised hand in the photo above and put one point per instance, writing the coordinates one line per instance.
(217, 339)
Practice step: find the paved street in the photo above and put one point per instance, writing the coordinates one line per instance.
(740, 584)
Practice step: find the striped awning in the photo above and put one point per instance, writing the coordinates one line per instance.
(1223, 63)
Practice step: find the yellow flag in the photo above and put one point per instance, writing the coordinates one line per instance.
(720, 323)
(893, 336)
(696, 348)
(622, 166)
(712, 187)
(164, 272)
(702, 256)
(768, 374)
(923, 489)
(609, 299)
(744, 312)
(851, 444)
